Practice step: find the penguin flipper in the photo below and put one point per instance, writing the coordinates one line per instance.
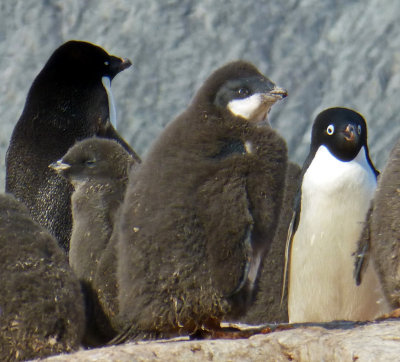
(294, 223)
(362, 253)
(246, 269)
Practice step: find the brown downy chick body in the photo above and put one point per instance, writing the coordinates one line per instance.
(202, 209)
(41, 304)
(98, 170)
(381, 235)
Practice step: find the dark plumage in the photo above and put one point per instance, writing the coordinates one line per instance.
(67, 102)
(381, 235)
(202, 209)
(267, 307)
(41, 304)
(338, 181)
(98, 170)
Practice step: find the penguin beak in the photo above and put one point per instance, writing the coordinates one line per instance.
(350, 133)
(60, 166)
(274, 95)
(118, 65)
(126, 63)
(278, 93)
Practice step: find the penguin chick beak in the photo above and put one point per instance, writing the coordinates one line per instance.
(60, 166)
(273, 95)
(278, 93)
(350, 133)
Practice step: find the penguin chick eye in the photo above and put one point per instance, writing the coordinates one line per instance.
(90, 163)
(359, 129)
(243, 92)
(330, 130)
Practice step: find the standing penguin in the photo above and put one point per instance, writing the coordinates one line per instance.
(97, 168)
(381, 236)
(202, 209)
(338, 183)
(41, 304)
(69, 100)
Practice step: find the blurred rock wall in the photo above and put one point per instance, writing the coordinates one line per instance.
(326, 53)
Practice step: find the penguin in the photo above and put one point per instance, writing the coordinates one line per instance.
(69, 100)
(379, 243)
(201, 210)
(41, 303)
(97, 168)
(268, 306)
(337, 184)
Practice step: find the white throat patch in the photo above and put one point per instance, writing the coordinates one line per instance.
(247, 107)
(330, 174)
(111, 104)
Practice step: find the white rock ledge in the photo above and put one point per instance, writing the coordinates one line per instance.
(371, 342)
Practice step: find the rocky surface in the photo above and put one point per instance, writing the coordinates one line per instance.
(326, 53)
(374, 342)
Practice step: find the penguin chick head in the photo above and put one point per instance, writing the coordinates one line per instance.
(94, 158)
(341, 130)
(240, 89)
(83, 60)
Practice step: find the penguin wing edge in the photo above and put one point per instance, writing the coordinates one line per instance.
(361, 255)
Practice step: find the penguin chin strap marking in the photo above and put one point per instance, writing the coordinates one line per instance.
(111, 104)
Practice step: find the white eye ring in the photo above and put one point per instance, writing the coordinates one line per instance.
(106, 62)
(359, 129)
(330, 130)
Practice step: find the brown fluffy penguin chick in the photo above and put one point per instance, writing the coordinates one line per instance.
(98, 170)
(202, 209)
(69, 100)
(381, 236)
(268, 307)
(41, 304)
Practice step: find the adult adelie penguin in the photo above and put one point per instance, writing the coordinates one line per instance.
(202, 209)
(41, 304)
(98, 170)
(69, 100)
(381, 236)
(338, 183)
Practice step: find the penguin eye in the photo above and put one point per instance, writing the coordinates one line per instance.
(243, 92)
(330, 130)
(359, 129)
(107, 63)
(90, 163)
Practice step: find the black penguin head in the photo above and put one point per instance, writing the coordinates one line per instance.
(342, 131)
(82, 60)
(94, 158)
(240, 90)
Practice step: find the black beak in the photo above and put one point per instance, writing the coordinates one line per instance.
(118, 65)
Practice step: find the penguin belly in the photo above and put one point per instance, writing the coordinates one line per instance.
(335, 200)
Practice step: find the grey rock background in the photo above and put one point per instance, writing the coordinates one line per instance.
(326, 53)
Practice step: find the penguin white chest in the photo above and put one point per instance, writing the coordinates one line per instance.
(335, 199)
